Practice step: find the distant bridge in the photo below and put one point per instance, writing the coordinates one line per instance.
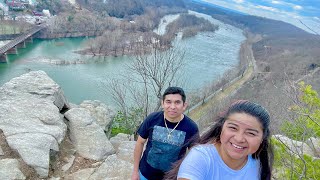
(20, 41)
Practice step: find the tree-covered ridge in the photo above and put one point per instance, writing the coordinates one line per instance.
(54, 6)
(125, 8)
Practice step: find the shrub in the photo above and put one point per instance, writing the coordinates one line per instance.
(291, 164)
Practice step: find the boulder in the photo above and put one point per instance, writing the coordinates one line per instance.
(31, 120)
(87, 136)
(9, 170)
(113, 168)
(314, 144)
(116, 140)
(101, 112)
(125, 151)
(296, 147)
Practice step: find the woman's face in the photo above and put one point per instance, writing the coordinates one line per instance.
(241, 135)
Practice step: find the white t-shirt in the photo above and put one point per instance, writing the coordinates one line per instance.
(203, 162)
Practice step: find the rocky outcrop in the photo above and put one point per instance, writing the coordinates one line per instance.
(311, 147)
(42, 132)
(87, 136)
(296, 147)
(101, 112)
(31, 119)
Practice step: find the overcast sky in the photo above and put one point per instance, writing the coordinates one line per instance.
(291, 11)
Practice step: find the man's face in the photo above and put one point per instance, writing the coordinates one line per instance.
(173, 107)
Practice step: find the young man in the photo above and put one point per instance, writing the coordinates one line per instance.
(168, 133)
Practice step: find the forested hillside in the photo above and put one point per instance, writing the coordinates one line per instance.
(125, 8)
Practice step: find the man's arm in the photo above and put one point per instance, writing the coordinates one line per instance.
(138, 149)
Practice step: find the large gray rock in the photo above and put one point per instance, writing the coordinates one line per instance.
(30, 117)
(87, 136)
(9, 169)
(296, 147)
(35, 152)
(101, 112)
(125, 151)
(119, 138)
(36, 83)
(113, 168)
(314, 144)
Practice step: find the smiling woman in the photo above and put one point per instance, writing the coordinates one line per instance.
(241, 136)
(236, 147)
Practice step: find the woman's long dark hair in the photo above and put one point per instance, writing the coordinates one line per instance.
(265, 152)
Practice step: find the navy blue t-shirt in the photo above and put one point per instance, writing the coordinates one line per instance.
(163, 150)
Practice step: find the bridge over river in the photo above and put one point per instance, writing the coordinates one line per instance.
(18, 42)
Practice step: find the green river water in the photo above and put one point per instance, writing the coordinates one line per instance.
(208, 56)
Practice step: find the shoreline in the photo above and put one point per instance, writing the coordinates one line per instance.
(201, 109)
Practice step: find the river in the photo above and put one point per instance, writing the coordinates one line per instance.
(208, 56)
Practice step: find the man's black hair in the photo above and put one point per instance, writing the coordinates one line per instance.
(175, 90)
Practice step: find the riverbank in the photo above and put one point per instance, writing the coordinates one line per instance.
(203, 110)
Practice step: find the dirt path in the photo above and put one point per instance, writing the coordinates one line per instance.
(245, 52)
(198, 112)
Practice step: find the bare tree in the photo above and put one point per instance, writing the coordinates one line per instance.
(144, 79)
(156, 71)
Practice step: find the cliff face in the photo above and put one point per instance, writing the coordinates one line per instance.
(44, 136)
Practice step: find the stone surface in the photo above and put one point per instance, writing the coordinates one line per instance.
(9, 170)
(67, 166)
(101, 112)
(295, 146)
(31, 119)
(116, 140)
(113, 168)
(314, 144)
(87, 136)
(125, 151)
